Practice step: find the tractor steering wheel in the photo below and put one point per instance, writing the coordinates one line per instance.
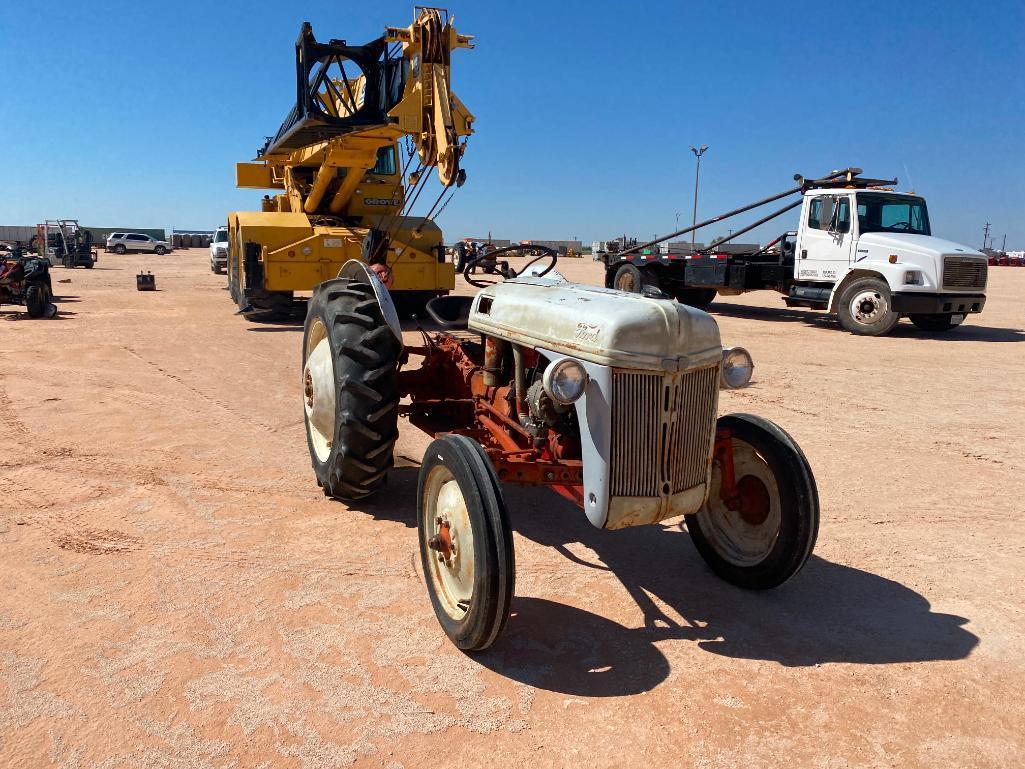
(543, 252)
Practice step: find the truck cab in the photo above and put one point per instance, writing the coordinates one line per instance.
(869, 255)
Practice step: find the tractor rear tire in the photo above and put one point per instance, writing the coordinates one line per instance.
(37, 297)
(697, 297)
(350, 388)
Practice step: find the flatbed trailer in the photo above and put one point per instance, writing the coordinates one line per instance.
(861, 250)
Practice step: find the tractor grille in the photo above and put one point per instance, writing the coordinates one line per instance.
(662, 427)
(963, 272)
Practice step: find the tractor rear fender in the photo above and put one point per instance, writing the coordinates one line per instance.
(361, 273)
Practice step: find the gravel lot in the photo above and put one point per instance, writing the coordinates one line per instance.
(176, 592)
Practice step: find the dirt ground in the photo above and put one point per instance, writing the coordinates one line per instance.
(176, 592)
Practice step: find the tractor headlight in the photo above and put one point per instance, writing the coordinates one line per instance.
(564, 381)
(737, 368)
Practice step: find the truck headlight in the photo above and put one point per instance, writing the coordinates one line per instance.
(913, 278)
(565, 381)
(737, 368)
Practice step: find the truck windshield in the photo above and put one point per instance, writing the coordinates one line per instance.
(878, 212)
(221, 236)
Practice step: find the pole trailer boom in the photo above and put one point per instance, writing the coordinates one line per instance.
(846, 177)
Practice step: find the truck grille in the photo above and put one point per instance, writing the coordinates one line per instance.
(662, 426)
(961, 272)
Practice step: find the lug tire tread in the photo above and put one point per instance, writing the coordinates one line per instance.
(366, 368)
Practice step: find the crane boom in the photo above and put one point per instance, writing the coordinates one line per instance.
(339, 188)
(341, 120)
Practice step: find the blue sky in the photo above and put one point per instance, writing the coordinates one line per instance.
(585, 110)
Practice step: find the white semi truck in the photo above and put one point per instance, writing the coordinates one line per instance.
(861, 250)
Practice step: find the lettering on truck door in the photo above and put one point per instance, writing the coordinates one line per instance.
(824, 252)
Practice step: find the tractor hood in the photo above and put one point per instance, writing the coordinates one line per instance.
(923, 245)
(599, 325)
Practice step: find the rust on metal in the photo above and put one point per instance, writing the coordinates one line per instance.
(442, 541)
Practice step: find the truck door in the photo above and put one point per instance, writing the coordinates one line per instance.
(824, 247)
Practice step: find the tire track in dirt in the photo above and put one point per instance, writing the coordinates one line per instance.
(236, 416)
(241, 559)
(32, 501)
(9, 421)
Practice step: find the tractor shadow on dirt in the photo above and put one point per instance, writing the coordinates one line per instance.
(969, 332)
(827, 613)
(18, 314)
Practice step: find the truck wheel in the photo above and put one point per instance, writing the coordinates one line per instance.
(631, 278)
(763, 538)
(865, 308)
(466, 545)
(936, 323)
(697, 297)
(459, 256)
(36, 300)
(350, 388)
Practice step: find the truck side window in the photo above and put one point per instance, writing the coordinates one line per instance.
(820, 215)
(815, 214)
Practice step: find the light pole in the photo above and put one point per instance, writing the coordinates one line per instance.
(697, 175)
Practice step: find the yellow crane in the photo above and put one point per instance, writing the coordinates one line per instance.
(343, 187)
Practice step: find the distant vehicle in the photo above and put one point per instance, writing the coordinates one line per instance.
(1003, 260)
(123, 242)
(63, 241)
(993, 260)
(25, 279)
(219, 251)
(861, 251)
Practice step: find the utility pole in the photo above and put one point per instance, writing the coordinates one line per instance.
(985, 235)
(697, 175)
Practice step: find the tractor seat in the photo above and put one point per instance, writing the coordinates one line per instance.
(450, 311)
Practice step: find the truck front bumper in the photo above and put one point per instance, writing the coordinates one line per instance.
(937, 304)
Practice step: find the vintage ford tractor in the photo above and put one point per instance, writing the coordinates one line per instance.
(608, 398)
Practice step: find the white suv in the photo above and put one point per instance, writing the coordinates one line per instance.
(123, 242)
(219, 251)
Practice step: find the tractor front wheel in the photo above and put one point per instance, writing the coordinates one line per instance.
(762, 536)
(350, 388)
(466, 546)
